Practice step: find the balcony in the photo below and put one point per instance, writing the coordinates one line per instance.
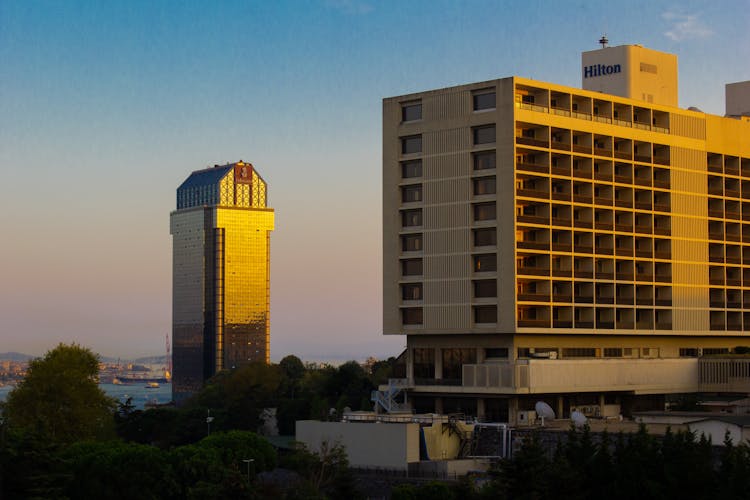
(533, 323)
(532, 167)
(533, 219)
(533, 297)
(530, 141)
(624, 155)
(532, 271)
(563, 146)
(582, 149)
(532, 245)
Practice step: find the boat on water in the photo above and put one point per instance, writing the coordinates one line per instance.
(152, 385)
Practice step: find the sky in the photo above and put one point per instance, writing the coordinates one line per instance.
(106, 107)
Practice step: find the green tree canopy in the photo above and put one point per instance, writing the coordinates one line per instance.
(60, 397)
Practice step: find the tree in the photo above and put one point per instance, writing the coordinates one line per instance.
(60, 397)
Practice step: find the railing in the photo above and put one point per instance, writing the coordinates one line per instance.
(724, 374)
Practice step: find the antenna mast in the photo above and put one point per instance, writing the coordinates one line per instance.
(603, 41)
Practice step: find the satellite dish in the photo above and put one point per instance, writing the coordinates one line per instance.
(545, 411)
(578, 418)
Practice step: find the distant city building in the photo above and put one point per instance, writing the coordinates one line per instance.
(584, 247)
(220, 274)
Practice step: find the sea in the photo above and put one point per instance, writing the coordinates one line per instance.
(139, 393)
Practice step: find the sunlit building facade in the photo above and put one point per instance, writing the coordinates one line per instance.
(585, 247)
(220, 274)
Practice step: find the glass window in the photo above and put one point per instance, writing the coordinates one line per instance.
(484, 160)
(453, 361)
(484, 185)
(411, 291)
(485, 211)
(411, 144)
(688, 352)
(411, 193)
(579, 352)
(496, 352)
(484, 100)
(485, 288)
(411, 242)
(410, 218)
(412, 315)
(411, 267)
(485, 262)
(483, 135)
(612, 352)
(424, 363)
(411, 111)
(411, 169)
(485, 314)
(485, 237)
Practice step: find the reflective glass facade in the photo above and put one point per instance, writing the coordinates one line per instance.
(221, 263)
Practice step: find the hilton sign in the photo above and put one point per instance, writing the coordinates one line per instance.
(601, 70)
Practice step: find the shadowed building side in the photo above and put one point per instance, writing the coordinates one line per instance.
(221, 274)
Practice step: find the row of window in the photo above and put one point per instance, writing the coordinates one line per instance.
(483, 314)
(482, 134)
(482, 289)
(483, 99)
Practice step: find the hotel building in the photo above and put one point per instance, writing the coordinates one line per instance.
(220, 274)
(586, 247)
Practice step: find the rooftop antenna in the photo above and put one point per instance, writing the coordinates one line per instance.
(603, 41)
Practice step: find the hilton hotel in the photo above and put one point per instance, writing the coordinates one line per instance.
(585, 247)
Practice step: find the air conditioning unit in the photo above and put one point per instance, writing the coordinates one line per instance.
(526, 417)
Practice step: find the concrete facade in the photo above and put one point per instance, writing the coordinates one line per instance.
(540, 239)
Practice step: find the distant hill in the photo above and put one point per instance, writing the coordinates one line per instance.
(15, 356)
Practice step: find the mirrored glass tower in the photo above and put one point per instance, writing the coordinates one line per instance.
(220, 274)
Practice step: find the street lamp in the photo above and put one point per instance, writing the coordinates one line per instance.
(209, 419)
(248, 461)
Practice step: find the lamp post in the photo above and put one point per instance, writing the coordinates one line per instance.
(209, 419)
(248, 461)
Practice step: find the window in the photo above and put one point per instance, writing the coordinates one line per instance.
(411, 242)
(688, 352)
(707, 351)
(486, 262)
(453, 361)
(613, 352)
(411, 169)
(484, 160)
(411, 144)
(496, 352)
(485, 237)
(485, 211)
(411, 291)
(579, 352)
(411, 267)
(411, 193)
(484, 185)
(485, 288)
(411, 111)
(410, 218)
(412, 315)
(483, 135)
(485, 314)
(424, 363)
(484, 100)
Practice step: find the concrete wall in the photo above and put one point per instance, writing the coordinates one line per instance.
(391, 446)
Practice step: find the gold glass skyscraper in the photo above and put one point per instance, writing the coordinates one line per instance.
(220, 274)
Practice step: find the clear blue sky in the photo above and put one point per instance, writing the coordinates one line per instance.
(105, 107)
